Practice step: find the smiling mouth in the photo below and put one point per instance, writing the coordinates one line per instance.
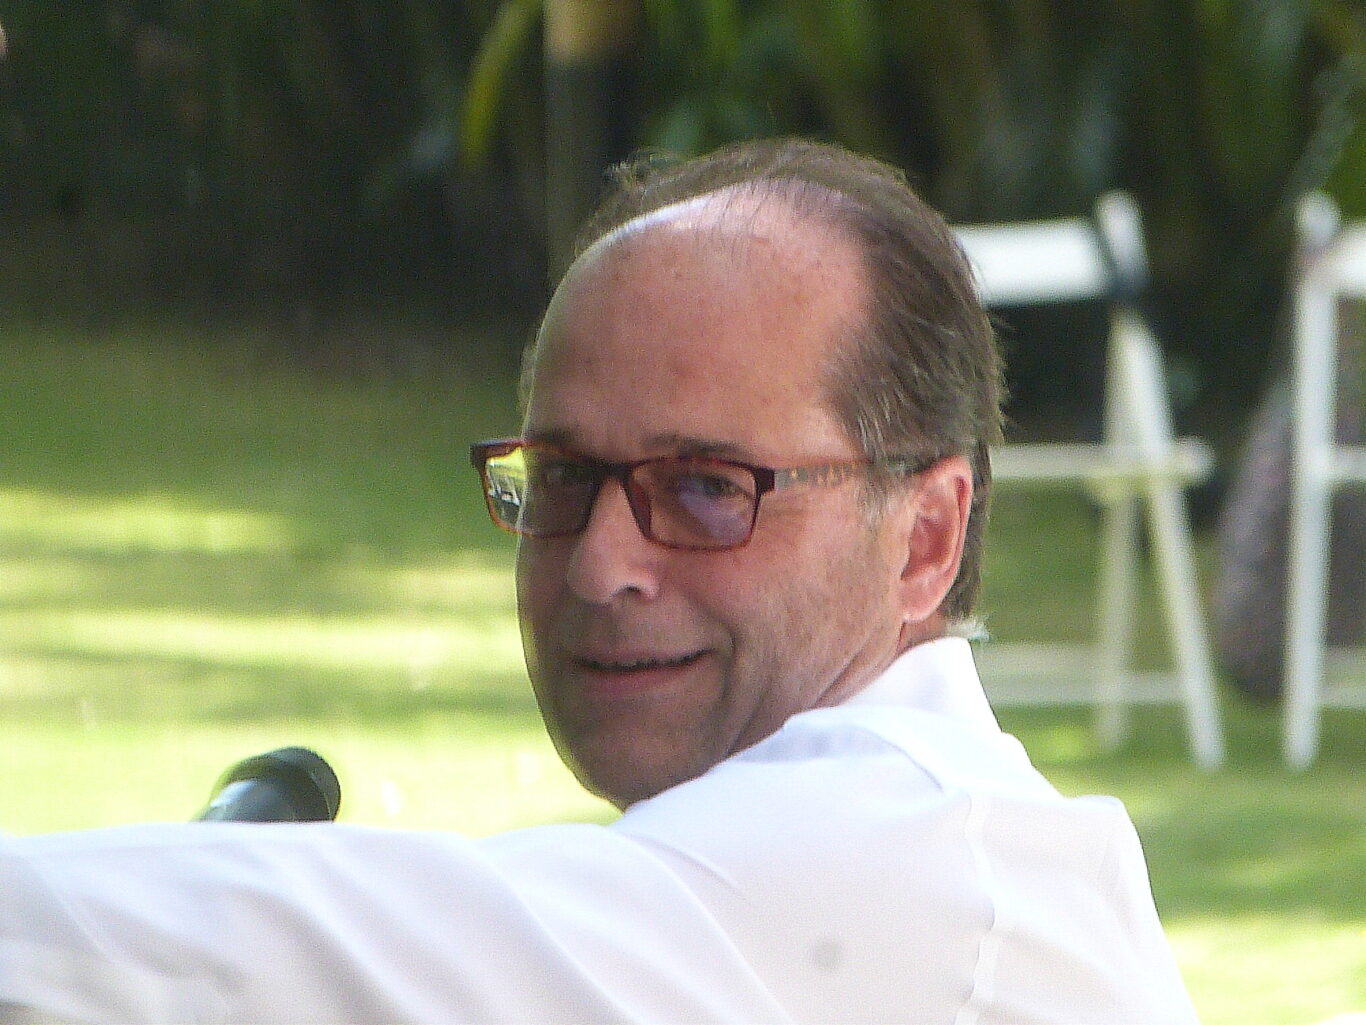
(641, 665)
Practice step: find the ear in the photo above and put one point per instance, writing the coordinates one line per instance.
(933, 526)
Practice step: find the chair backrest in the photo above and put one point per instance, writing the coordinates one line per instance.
(1330, 264)
(1060, 260)
(1323, 237)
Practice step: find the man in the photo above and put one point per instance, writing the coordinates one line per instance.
(751, 489)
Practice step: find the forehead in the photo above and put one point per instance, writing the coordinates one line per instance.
(716, 319)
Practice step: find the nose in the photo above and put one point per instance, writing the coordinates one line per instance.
(611, 557)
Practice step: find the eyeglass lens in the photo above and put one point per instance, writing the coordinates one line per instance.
(688, 503)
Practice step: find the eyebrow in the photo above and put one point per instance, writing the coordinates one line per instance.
(684, 446)
(558, 437)
(701, 448)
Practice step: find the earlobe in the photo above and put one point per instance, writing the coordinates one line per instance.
(936, 525)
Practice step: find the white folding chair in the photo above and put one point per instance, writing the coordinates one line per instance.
(1330, 266)
(1139, 462)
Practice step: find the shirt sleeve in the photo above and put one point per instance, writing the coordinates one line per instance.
(326, 923)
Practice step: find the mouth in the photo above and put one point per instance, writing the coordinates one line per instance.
(640, 664)
(614, 678)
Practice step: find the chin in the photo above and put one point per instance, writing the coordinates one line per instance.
(616, 790)
(623, 786)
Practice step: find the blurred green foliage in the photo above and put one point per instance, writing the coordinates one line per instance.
(297, 154)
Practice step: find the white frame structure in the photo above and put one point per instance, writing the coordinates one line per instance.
(1330, 266)
(1138, 464)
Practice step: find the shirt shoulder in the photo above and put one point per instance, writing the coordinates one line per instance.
(917, 866)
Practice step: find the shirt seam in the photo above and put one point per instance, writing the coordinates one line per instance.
(980, 805)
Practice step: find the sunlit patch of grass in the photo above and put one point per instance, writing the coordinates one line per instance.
(243, 636)
(28, 580)
(463, 581)
(360, 644)
(153, 523)
(472, 773)
(131, 681)
(1063, 743)
(1294, 969)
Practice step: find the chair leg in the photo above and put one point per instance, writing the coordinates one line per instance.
(1117, 606)
(1140, 412)
(1305, 614)
(1310, 514)
(1173, 549)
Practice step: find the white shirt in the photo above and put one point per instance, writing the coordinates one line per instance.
(895, 858)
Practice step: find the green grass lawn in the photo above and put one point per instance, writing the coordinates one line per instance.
(205, 554)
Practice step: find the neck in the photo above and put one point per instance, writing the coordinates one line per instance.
(931, 629)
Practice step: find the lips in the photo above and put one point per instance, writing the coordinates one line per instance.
(627, 676)
(636, 665)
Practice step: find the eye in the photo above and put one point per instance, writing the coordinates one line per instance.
(710, 486)
(560, 473)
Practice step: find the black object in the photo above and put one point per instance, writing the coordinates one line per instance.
(291, 784)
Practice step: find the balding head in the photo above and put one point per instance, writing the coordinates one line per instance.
(921, 372)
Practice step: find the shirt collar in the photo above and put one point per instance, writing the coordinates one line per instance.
(937, 676)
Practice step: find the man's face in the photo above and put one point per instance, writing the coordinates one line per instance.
(651, 664)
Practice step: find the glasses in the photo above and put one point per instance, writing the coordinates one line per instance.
(540, 490)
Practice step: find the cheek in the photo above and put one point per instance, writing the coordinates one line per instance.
(831, 593)
(773, 600)
(540, 583)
